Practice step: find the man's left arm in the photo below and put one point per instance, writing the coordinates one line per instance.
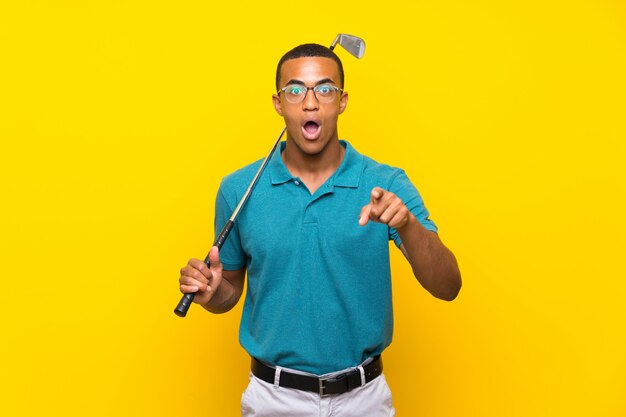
(433, 264)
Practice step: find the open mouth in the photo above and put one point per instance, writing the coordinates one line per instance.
(311, 130)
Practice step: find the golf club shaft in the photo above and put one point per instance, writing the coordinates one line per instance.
(186, 300)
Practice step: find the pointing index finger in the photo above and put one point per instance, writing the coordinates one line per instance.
(377, 193)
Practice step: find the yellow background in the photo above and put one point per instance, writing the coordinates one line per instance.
(119, 118)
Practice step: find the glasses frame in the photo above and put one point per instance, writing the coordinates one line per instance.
(306, 92)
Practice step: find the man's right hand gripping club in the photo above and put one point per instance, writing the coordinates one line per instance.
(216, 290)
(197, 277)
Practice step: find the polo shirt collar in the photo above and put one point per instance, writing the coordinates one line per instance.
(349, 172)
(279, 173)
(347, 175)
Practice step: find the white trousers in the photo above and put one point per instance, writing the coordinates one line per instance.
(262, 399)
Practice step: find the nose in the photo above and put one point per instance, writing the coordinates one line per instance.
(310, 100)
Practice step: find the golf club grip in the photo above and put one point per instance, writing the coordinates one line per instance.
(186, 300)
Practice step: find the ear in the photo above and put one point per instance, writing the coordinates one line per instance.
(277, 105)
(343, 102)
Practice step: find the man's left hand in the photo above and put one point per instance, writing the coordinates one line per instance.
(385, 207)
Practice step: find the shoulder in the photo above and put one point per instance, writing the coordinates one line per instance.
(388, 177)
(380, 172)
(238, 181)
(370, 171)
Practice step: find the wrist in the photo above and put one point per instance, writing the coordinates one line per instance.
(410, 222)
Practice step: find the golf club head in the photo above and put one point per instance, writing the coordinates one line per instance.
(352, 44)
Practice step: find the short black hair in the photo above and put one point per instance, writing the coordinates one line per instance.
(309, 50)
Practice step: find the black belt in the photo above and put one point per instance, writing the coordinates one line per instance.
(324, 386)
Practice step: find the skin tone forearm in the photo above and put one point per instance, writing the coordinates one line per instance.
(433, 264)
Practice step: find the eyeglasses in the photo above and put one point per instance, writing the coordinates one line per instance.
(324, 93)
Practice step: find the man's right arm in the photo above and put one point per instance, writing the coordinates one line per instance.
(216, 290)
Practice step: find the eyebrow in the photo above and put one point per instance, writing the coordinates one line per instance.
(322, 81)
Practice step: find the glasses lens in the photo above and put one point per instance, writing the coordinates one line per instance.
(326, 93)
(295, 93)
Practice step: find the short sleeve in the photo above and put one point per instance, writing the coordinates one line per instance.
(406, 191)
(232, 255)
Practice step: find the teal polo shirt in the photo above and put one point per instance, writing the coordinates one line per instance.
(318, 293)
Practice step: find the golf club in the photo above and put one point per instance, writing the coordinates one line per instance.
(356, 47)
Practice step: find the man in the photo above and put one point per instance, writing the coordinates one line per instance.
(314, 242)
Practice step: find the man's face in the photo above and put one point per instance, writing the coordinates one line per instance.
(311, 125)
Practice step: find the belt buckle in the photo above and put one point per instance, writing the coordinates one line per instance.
(323, 380)
(322, 387)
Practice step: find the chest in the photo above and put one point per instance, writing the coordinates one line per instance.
(287, 220)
